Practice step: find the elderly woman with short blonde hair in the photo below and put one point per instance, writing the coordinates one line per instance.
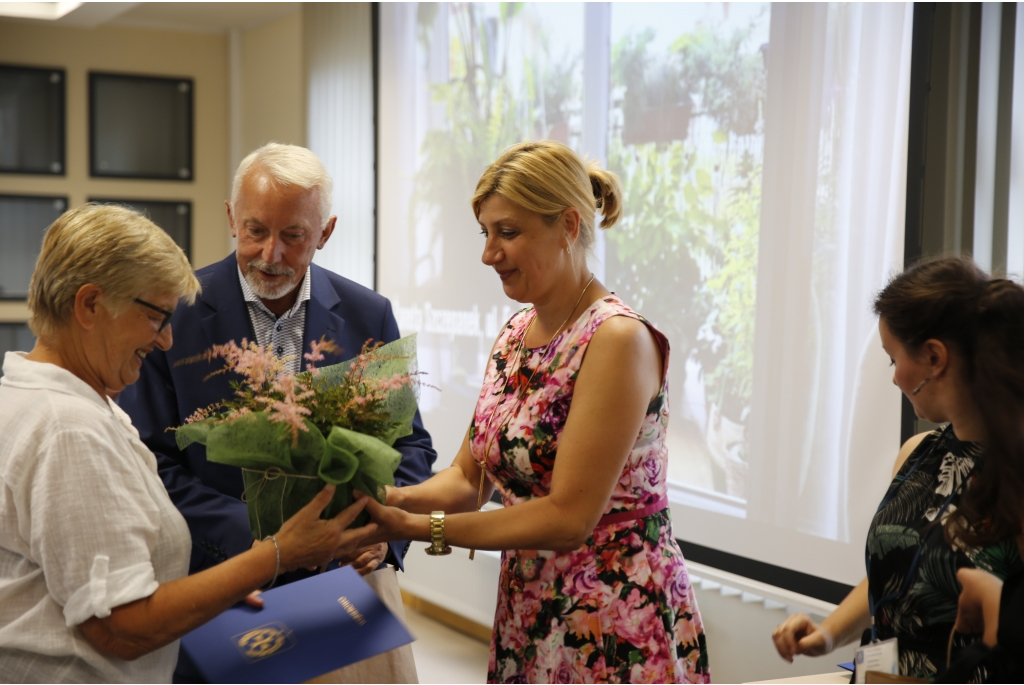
(93, 554)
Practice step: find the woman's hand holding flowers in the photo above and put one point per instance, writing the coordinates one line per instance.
(308, 541)
(392, 523)
(393, 496)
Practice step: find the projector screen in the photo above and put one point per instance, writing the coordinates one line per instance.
(762, 151)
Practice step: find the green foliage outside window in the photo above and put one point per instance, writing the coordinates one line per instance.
(484, 112)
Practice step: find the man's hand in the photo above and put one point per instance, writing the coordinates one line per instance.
(365, 560)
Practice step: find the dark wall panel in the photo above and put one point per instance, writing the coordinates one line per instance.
(140, 127)
(23, 219)
(32, 116)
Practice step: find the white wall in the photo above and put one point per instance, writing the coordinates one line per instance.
(739, 627)
(273, 85)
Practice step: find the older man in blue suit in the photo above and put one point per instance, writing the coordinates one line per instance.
(269, 291)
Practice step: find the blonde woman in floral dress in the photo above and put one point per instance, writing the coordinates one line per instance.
(570, 429)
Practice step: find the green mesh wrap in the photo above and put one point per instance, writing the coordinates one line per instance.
(363, 461)
(280, 478)
(400, 405)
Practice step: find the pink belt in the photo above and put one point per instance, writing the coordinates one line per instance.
(634, 514)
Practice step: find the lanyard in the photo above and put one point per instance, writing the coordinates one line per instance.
(912, 572)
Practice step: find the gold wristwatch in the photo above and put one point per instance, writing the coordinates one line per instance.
(437, 547)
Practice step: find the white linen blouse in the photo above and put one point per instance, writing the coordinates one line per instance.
(85, 526)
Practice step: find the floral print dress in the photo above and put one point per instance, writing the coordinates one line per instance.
(923, 616)
(620, 608)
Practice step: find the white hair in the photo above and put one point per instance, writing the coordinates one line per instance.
(288, 165)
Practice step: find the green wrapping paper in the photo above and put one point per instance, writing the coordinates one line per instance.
(282, 475)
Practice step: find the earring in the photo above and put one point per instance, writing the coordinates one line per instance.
(568, 251)
(921, 385)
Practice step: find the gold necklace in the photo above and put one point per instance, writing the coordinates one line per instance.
(523, 390)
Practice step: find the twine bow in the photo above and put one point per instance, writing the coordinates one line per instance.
(269, 475)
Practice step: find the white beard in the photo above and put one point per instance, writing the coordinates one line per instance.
(265, 290)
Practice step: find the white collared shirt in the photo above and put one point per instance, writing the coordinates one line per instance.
(284, 334)
(85, 526)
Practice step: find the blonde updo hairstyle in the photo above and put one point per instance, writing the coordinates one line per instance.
(547, 177)
(117, 249)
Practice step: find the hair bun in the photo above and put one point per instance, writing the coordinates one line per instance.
(607, 192)
(598, 191)
(1003, 298)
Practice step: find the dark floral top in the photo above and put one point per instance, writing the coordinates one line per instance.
(922, 617)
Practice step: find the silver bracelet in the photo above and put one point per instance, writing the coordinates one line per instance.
(277, 567)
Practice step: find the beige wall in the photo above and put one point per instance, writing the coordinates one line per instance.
(273, 107)
(200, 56)
(273, 84)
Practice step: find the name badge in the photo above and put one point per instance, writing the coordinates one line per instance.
(878, 656)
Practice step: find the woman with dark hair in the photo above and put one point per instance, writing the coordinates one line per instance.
(955, 338)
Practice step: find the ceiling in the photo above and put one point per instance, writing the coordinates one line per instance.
(217, 17)
(208, 17)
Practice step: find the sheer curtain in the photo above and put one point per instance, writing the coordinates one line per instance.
(825, 422)
(824, 419)
(337, 39)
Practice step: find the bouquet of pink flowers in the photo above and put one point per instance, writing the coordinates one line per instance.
(291, 433)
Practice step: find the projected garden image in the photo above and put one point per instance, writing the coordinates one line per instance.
(686, 138)
(684, 130)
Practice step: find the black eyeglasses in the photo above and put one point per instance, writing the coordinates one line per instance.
(167, 314)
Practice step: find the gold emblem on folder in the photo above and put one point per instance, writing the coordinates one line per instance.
(264, 641)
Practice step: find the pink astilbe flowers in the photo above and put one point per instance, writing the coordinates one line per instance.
(356, 400)
(379, 389)
(256, 363)
(287, 409)
(201, 414)
(316, 354)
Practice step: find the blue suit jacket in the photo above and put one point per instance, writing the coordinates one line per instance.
(207, 494)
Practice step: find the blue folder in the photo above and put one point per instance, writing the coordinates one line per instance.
(304, 630)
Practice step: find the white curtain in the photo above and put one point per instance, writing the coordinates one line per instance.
(825, 420)
(338, 46)
(399, 144)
